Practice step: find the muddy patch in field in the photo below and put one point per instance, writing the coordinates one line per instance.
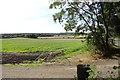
(13, 58)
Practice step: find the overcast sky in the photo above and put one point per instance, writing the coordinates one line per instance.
(27, 16)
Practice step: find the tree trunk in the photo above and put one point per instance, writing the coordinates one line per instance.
(107, 42)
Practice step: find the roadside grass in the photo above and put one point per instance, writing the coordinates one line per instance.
(24, 65)
(86, 50)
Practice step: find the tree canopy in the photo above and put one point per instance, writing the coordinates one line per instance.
(100, 19)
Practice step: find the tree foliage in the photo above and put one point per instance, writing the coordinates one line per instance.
(30, 35)
(99, 19)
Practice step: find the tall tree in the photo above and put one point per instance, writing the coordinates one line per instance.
(93, 17)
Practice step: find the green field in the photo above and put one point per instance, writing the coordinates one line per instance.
(68, 46)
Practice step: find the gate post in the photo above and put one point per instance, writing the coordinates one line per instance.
(82, 73)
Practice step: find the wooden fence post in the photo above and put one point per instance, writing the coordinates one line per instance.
(82, 73)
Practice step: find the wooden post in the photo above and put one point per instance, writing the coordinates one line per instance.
(82, 73)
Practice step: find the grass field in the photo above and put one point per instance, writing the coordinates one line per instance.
(68, 46)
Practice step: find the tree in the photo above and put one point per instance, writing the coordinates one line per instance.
(31, 35)
(93, 17)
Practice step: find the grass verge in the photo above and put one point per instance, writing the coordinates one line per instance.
(24, 65)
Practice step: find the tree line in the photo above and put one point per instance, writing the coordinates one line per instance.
(33, 35)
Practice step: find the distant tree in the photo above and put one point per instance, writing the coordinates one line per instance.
(30, 35)
(97, 18)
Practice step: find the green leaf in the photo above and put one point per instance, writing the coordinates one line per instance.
(51, 6)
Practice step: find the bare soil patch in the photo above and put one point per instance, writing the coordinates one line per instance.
(13, 58)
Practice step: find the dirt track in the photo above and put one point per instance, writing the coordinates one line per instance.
(61, 69)
(50, 71)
